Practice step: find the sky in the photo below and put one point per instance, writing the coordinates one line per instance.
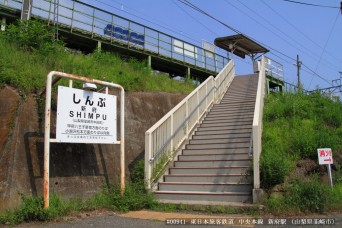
(286, 28)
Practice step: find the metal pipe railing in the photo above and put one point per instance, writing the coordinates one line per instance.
(164, 138)
(78, 16)
(257, 123)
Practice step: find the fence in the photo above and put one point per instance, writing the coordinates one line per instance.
(257, 124)
(164, 138)
(274, 69)
(76, 16)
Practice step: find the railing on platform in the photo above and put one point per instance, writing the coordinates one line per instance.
(274, 69)
(76, 16)
(164, 138)
(257, 124)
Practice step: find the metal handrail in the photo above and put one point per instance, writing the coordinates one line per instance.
(165, 137)
(257, 123)
(274, 69)
(87, 18)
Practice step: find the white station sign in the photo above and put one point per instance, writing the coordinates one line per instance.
(85, 117)
(325, 156)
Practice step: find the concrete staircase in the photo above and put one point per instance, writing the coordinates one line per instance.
(212, 169)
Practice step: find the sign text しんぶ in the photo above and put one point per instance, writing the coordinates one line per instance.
(85, 116)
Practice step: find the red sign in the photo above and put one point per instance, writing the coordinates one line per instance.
(325, 156)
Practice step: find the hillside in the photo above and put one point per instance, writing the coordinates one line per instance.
(28, 53)
(295, 126)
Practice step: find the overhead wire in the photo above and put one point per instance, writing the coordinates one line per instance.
(300, 46)
(298, 30)
(165, 26)
(325, 45)
(194, 18)
(185, 2)
(310, 4)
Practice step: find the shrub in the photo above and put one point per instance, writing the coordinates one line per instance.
(310, 196)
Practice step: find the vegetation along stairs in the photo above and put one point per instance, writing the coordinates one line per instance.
(213, 167)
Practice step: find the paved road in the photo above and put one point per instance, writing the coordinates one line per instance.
(156, 219)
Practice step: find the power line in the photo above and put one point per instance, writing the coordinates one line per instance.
(310, 4)
(307, 51)
(194, 18)
(300, 32)
(326, 43)
(185, 2)
(167, 27)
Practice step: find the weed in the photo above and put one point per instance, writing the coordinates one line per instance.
(25, 63)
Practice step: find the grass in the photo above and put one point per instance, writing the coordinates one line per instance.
(295, 126)
(26, 63)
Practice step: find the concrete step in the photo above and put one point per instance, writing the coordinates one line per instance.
(218, 163)
(236, 106)
(230, 115)
(218, 145)
(225, 118)
(205, 187)
(215, 178)
(239, 95)
(209, 170)
(223, 136)
(213, 157)
(236, 101)
(215, 151)
(227, 121)
(233, 111)
(204, 197)
(231, 106)
(233, 123)
(235, 127)
(223, 132)
(221, 141)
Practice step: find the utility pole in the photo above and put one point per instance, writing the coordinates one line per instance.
(299, 63)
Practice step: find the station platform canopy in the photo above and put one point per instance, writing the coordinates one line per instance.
(240, 45)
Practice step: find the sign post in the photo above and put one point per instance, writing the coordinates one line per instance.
(325, 158)
(83, 117)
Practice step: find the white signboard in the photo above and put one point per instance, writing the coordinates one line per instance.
(184, 48)
(209, 49)
(325, 156)
(85, 116)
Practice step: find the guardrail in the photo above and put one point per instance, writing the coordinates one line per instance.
(77, 16)
(164, 138)
(257, 125)
(274, 69)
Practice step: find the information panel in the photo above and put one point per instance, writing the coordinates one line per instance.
(325, 156)
(85, 116)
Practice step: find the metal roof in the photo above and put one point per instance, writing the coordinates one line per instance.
(240, 45)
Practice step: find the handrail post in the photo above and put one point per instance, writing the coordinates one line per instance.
(92, 25)
(257, 132)
(72, 16)
(171, 132)
(148, 156)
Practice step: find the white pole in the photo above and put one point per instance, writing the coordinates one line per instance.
(329, 173)
(3, 21)
(3, 24)
(47, 139)
(122, 140)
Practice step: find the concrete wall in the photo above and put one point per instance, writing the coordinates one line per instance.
(76, 170)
